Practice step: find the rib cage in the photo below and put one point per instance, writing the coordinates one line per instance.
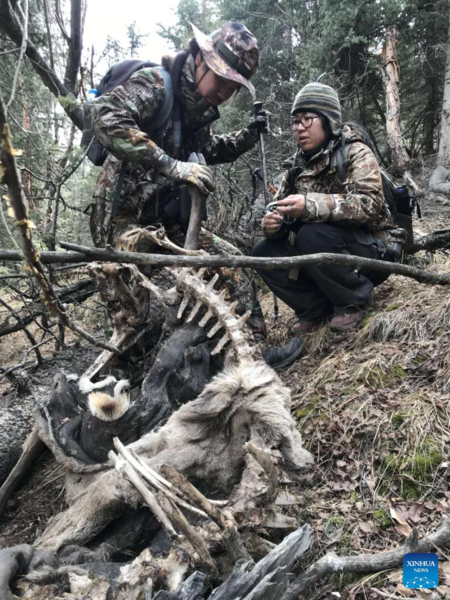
(202, 292)
(194, 288)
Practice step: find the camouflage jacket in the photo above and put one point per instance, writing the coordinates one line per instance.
(356, 202)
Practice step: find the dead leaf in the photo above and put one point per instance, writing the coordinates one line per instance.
(400, 589)
(415, 511)
(366, 527)
(404, 530)
(442, 506)
(444, 570)
(396, 576)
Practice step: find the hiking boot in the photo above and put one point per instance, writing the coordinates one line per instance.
(304, 327)
(346, 321)
(283, 356)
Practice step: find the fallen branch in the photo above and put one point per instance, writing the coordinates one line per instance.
(434, 241)
(366, 563)
(83, 253)
(32, 448)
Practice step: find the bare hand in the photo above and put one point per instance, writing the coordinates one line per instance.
(272, 222)
(292, 206)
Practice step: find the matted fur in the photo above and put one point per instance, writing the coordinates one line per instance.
(204, 440)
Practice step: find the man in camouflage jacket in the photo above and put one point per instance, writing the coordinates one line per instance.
(153, 171)
(327, 214)
(214, 68)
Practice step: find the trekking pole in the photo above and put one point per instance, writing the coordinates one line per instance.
(257, 107)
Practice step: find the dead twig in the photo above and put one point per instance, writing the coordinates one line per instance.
(366, 563)
(27, 332)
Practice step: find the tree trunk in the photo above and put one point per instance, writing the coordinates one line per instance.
(444, 133)
(395, 141)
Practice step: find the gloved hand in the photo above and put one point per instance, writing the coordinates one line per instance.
(186, 172)
(259, 123)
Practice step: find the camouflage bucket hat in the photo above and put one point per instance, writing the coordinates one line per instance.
(231, 52)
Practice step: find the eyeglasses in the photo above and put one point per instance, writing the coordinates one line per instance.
(305, 120)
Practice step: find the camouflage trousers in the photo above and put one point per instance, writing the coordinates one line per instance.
(141, 204)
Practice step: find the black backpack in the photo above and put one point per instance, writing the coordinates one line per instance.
(119, 74)
(400, 202)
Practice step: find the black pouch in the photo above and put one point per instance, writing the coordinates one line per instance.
(404, 205)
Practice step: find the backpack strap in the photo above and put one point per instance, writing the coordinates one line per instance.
(165, 110)
(340, 158)
(178, 65)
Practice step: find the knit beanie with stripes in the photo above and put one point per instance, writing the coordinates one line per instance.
(321, 99)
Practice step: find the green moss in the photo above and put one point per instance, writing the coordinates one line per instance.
(394, 306)
(379, 376)
(420, 359)
(382, 517)
(67, 102)
(312, 403)
(408, 490)
(355, 497)
(423, 465)
(345, 543)
(398, 371)
(399, 418)
(342, 580)
(349, 391)
(414, 468)
(336, 521)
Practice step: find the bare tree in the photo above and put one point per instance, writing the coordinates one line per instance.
(11, 25)
(393, 121)
(443, 158)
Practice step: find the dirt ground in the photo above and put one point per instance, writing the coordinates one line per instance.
(374, 408)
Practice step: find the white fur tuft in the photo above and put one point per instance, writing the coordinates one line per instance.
(72, 377)
(120, 386)
(85, 385)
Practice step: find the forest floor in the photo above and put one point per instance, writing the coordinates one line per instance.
(373, 407)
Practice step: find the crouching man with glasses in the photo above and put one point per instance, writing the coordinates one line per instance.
(318, 211)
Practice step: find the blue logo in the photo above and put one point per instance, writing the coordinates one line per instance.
(420, 571)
